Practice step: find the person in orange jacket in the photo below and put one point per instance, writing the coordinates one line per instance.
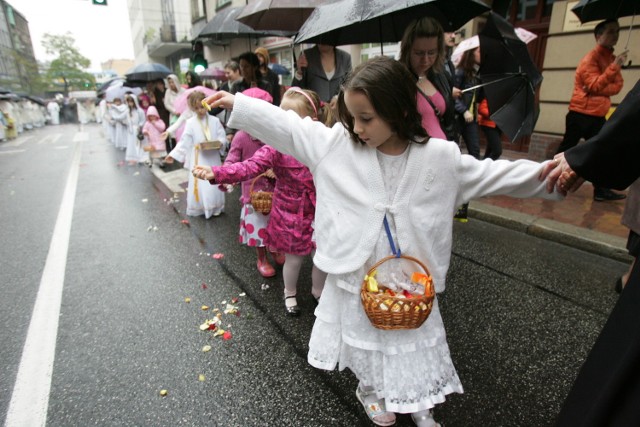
(597, 78)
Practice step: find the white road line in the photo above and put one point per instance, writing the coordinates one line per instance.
(18, 141)
(12, 151)
(30, 398)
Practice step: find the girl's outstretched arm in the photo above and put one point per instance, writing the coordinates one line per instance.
(219, 99)
(203, 172)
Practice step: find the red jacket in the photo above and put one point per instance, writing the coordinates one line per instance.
(484, 114)
(597, 79)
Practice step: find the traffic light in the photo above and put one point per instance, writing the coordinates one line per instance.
(198, 61)
(99, 2)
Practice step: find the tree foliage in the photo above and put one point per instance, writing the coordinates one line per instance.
(67, 69)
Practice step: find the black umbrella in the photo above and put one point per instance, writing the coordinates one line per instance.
(143, 73)
(281, 15)
(381, 21)
(35, 99)
(223, 26)
(595, 10)
(509, 78)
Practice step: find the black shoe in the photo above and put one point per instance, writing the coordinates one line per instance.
(618, 288)
(462, 214)
(293, 310)
(606, 194)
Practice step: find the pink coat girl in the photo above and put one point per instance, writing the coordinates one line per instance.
(152, 129)
(293, 206)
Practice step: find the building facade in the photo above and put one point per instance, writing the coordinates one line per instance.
(18, 66)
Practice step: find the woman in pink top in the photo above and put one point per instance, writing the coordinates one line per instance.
(422, 52)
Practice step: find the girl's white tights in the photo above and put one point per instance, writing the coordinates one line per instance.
(291, 272)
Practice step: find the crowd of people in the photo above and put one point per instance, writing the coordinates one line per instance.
(381, 139)
(359, 169)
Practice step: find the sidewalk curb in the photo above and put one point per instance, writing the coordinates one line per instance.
(580, 238)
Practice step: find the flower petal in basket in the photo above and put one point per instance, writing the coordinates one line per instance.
(389, 311)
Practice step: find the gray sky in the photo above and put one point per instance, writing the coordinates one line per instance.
(101, 32)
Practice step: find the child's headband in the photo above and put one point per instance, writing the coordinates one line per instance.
(313, 104)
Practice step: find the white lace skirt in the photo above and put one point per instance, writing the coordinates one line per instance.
(411, 369)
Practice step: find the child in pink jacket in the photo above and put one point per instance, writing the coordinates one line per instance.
(253, 224)
(152, 130)
(290, 228)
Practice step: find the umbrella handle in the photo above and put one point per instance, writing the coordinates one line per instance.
(626, 46)
(489, 83)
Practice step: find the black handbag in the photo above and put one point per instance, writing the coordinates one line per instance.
(140, 135)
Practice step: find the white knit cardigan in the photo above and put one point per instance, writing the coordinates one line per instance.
(351, 199)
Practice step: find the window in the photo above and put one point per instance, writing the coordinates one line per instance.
(222, 3)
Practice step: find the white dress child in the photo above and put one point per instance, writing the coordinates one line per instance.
(202, 197)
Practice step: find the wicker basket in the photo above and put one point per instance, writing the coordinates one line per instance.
(210, 145)
(148, 148)
(394, 312)
(260, 200)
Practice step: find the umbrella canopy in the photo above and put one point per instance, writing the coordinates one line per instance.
(509, 78)
(279, 69)
(595, 10)
(214, 73)
(116, 80)
(474, 41)
(36, 99)
(224, 26)
(381, 21)
(4, 90)
(180, 103)
(119, 90)
(282, 15)
(148, 72)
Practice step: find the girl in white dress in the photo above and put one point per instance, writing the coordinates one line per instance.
(135, 153)
(379, 165)
(202, 198)
(119, 115)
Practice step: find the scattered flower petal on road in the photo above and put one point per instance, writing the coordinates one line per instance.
(218, 256)
(201, 378)
(187, 300)
(163, 393)
(206, 348)
(226, 336)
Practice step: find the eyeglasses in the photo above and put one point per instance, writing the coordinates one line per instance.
(427, 53)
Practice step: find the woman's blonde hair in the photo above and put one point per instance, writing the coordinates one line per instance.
(312, 103)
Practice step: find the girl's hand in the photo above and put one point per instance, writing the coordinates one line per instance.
(203, 172)
(164, 135)
(220, 99)
(559, 175)
(168, 160)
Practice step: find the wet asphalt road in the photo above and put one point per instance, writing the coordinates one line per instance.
(520, 312)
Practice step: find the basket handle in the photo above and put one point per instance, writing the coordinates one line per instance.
(407, 257)
(253, 181)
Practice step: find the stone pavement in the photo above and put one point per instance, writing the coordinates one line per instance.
(577, 221)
